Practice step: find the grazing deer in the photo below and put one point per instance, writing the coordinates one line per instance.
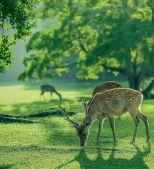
(105, 86)
(113, 102)
(49, 88)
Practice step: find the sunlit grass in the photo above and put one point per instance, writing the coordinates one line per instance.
(51, 142)
(20, 98)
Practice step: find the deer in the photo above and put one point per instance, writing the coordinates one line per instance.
(49, 88)
(105, 86)
(107, 104)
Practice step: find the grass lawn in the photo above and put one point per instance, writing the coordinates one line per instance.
(34, 135)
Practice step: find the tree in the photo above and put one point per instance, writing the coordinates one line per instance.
(93, 35)
(128, 48)
(14, 25)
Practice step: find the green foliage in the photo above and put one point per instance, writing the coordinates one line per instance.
(14, 25)
(93, 31)
(116, 35)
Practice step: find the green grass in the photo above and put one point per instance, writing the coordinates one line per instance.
(48, 142)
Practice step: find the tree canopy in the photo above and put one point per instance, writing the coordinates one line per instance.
(14, 25)
(93, 35)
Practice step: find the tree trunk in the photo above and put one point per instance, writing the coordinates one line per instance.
(146, 92)
(129, 73)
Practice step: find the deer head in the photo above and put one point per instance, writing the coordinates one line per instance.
(82, 129)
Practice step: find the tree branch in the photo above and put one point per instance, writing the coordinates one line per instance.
(120, 70)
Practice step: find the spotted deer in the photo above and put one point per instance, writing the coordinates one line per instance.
(105, 86)
(113, 102)
(49, 88)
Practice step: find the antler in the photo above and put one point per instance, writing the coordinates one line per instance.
(67, 117)
(85, 105)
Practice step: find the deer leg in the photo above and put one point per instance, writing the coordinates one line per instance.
(112, 124)
(40, 97)
(145, 120)
(43, 97)
(99, 131)
(137, 122)
(41, 94)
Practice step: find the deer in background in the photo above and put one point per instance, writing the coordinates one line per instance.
(105, 86)
(49, 88)
(113, 102)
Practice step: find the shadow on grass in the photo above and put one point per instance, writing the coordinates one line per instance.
(26, 109)
(136, 162)
(46, 113)
(13, 119)
(82, 157)
(39, 109)
(4, 118)
(5, 166)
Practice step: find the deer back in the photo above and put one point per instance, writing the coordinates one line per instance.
(114, 102)
(47, 88)
(106, 86)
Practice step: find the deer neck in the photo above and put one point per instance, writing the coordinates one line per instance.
(88, 121)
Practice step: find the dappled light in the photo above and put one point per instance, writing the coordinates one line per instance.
(137, 161)
(38, 132)
(76, 73)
